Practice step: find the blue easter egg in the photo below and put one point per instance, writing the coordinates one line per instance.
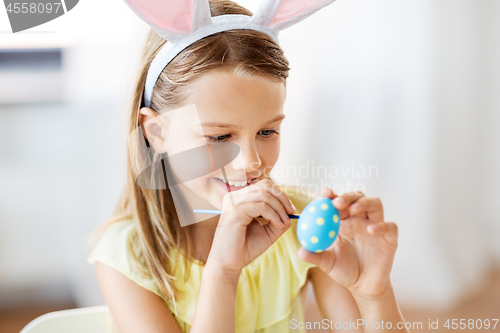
(318, 225)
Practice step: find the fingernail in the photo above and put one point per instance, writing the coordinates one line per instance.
(355, 206)
(339, 201)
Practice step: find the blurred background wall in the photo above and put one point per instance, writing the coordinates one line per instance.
(409, 88)
(62, 163)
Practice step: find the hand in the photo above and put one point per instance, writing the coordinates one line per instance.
(361, 257)
(239, 237)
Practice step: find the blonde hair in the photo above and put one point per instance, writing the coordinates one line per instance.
(157, 229)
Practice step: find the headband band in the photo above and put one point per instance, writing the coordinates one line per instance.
(170, 50)
(183, 22)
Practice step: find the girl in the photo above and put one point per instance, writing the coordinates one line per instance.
(234, 272)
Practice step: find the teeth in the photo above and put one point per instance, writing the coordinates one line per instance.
(235, 183)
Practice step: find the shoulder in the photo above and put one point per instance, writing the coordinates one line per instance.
(117, 247)
(111, 240)
(133, 301)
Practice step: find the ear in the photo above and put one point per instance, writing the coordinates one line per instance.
(173, 19)
(152, 126)
(280, 14)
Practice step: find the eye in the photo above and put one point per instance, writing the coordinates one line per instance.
(268, 133)
(218, 138)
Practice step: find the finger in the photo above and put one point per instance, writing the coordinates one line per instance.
(274, 232)
(324, 260)
(261, 193)
(346, 199)
(344, 214)
(276, 204)
(255, 209)
(233, 198)
(245, 213)
(388, 229)
(343, 201)
(369, 207)
(280, 195)
(328, 193)
(285, 200)
(261, 220)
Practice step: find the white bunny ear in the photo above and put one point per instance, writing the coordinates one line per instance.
(173, 20)
(280, 14)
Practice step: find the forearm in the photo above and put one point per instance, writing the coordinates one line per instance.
(215, 310)
(377, 312)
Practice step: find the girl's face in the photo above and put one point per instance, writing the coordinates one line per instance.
(244, 111)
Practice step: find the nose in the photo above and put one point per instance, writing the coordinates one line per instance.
(248, 159)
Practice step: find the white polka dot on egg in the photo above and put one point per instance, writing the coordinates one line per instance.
(303, 242)
(320, 221)
(335, 218)
(331, 233)
(324, 206)
(304, 226)
(312, 209)
(314, 239)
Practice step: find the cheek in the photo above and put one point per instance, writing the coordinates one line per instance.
(269, 152)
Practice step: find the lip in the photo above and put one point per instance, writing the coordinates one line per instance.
(232, 188)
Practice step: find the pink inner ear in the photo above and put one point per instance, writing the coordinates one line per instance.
(291, 8)
(171, 15)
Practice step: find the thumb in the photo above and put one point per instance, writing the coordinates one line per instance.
(324, 260)
(328, 193)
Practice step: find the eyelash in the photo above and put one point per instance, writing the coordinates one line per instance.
(217, 137)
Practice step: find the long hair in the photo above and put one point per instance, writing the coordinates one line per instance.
(157, 229)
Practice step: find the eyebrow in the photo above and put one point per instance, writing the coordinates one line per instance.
(225, 125)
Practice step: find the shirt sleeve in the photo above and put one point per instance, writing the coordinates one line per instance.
(115, 249)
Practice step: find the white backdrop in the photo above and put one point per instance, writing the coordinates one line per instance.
(408, 87)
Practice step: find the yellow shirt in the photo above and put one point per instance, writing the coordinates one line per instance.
(267, 296)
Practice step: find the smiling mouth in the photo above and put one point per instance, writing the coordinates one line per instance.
(237, 183)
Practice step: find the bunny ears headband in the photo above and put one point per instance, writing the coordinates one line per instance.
(183, 22)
